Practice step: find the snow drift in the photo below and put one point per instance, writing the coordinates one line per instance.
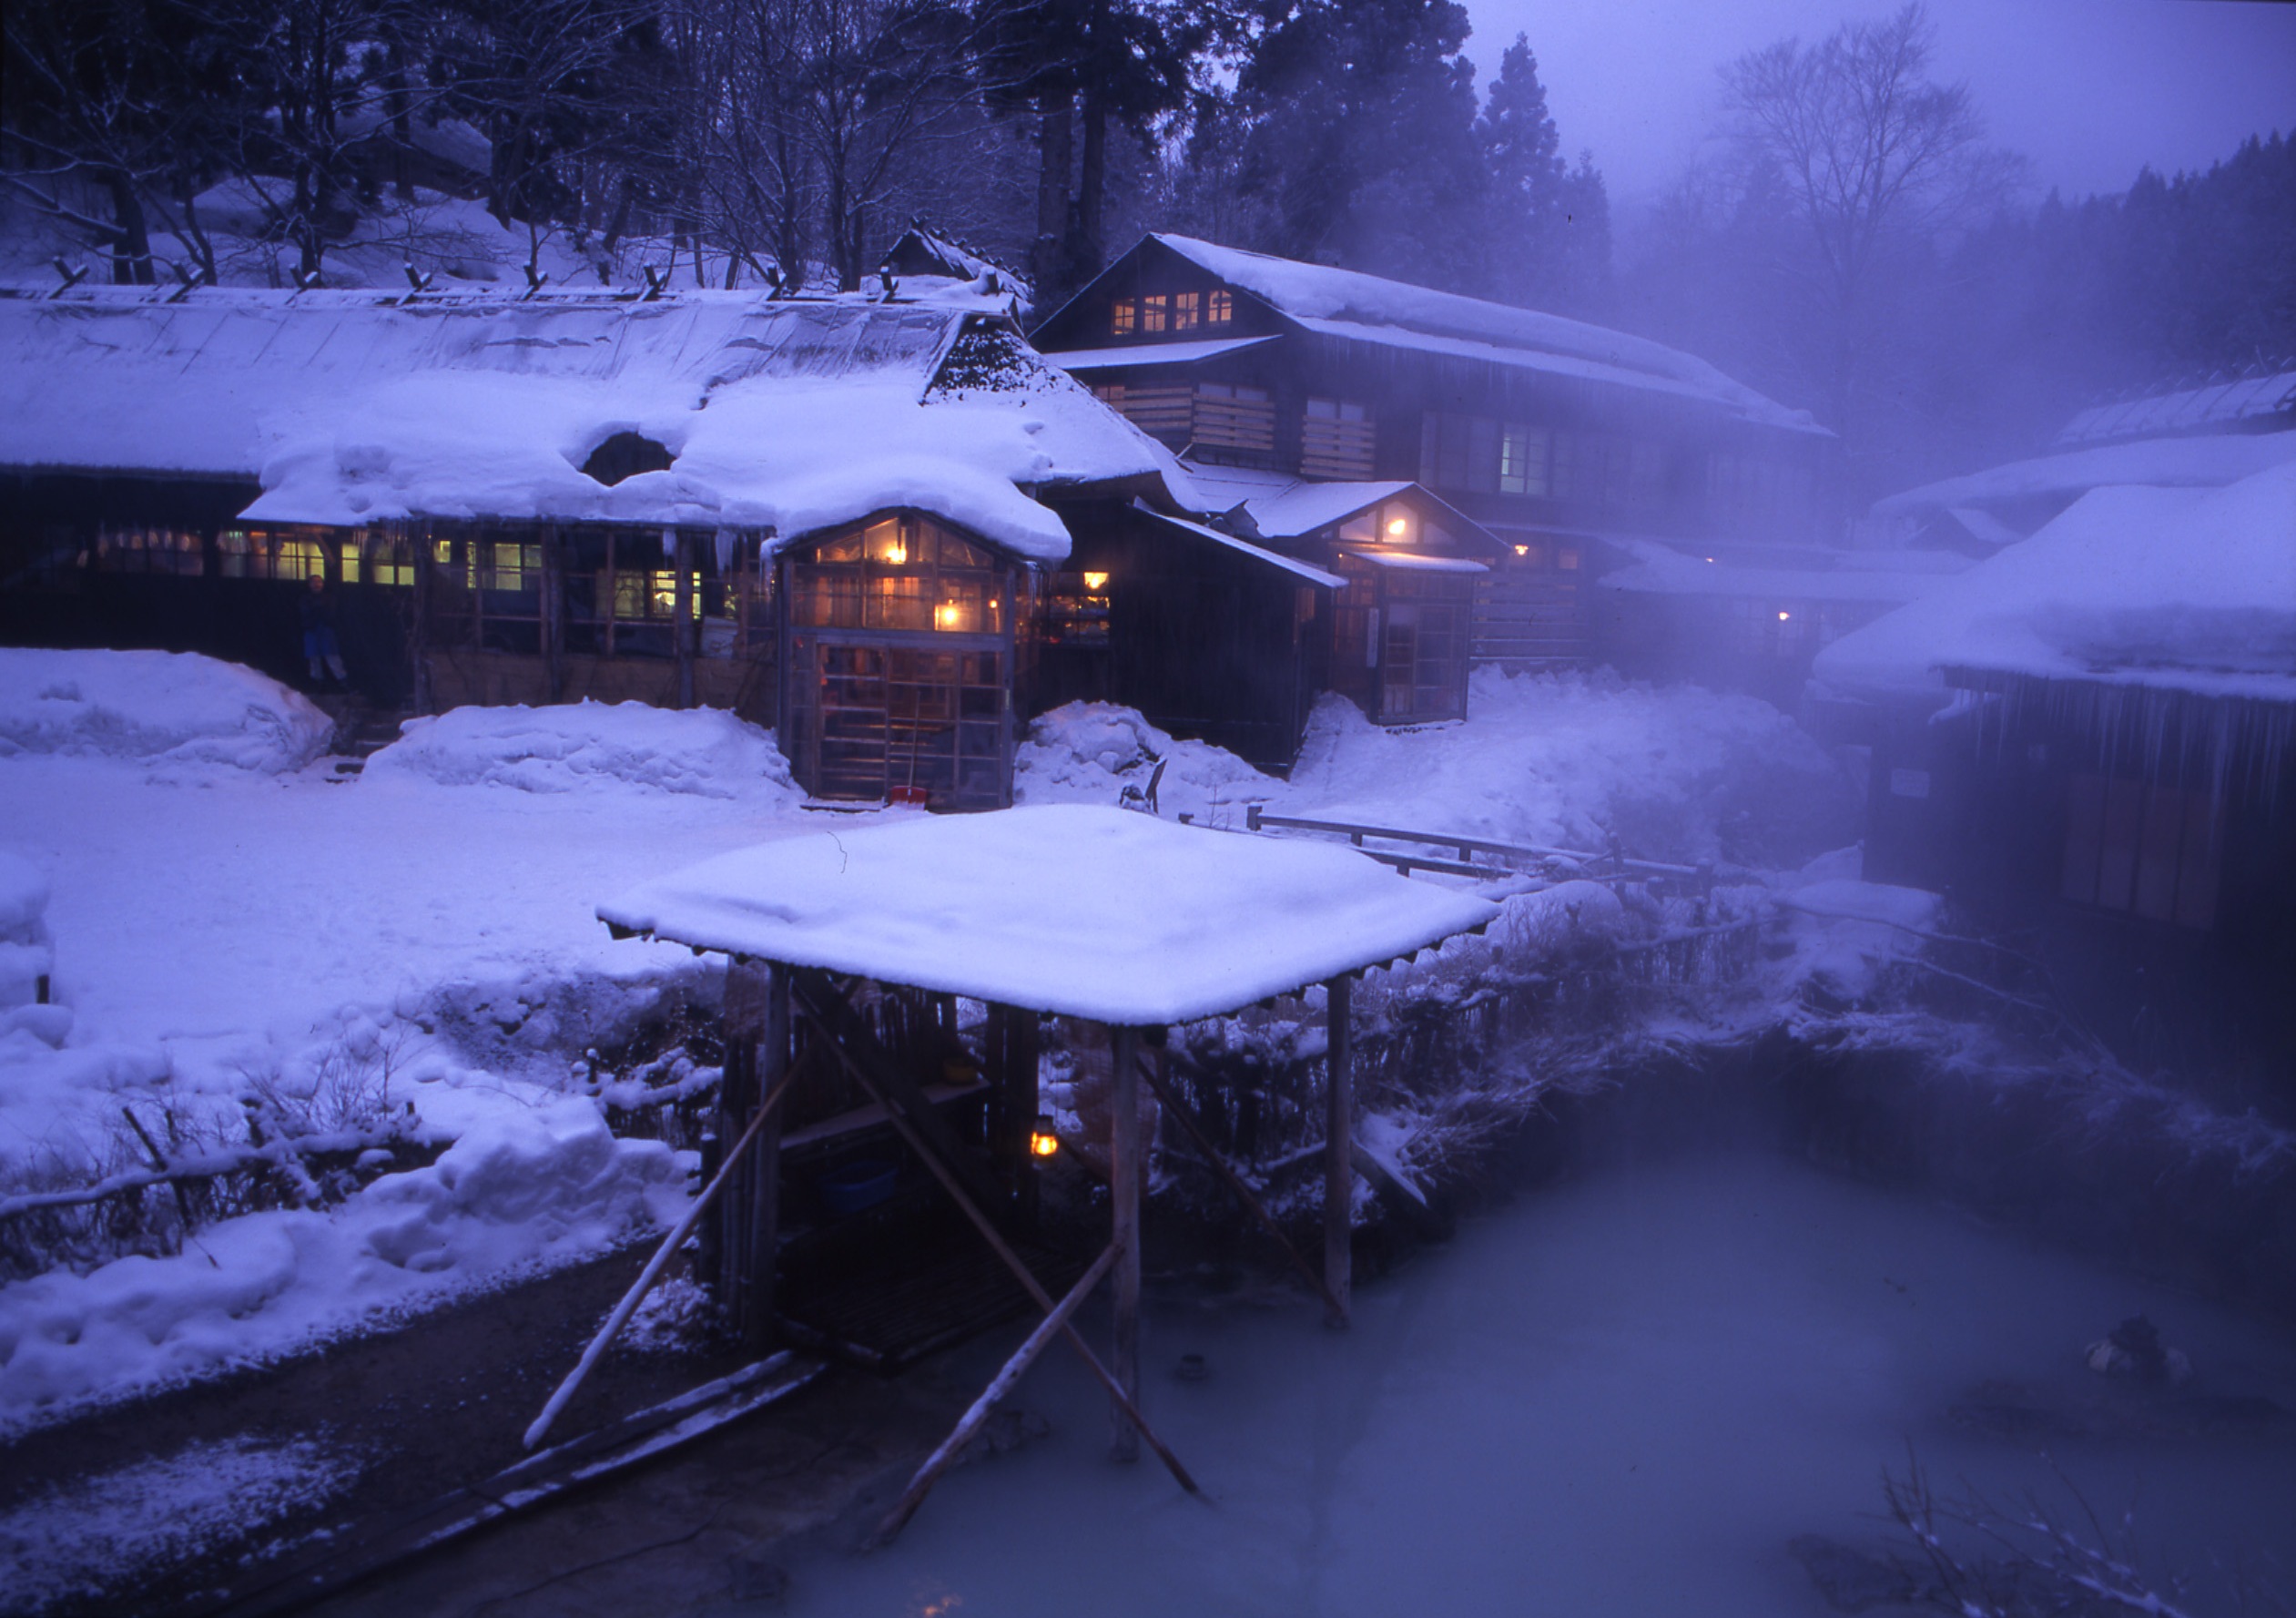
(520, 1187)
(172, 706)
(590, 746)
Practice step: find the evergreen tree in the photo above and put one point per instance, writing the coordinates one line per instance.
(1354, 124)
(1548, 231)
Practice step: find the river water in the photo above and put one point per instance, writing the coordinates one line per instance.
(1621, 1395)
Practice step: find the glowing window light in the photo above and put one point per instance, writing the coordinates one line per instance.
(1398, 527)
(949, 614)
(1523, 550)
(897, 553)
(1784, 617)
(1095, 581)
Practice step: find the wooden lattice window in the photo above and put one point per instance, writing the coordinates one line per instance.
(1335, 439)
(1232, 416)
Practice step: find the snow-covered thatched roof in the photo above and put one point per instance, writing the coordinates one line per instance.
(1348, 305)
(2187, 590)
(1082, 910)
(358, 407)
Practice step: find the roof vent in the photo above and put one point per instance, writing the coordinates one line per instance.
(625, 456)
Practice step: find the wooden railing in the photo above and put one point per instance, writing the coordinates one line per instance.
(1606, 866)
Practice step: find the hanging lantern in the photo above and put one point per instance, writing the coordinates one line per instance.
(1043, 1142)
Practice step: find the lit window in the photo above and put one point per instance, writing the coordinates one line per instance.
(1219, 307)
(1152, 312)
(1120, 316)
(1184, 310)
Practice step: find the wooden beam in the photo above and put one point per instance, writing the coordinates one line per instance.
(1124, 1193)
(981, 1222)
(756, 1036)
(1339, 1169)
(554, 613)
(682, 609)
(418, 538)
(953, 1446)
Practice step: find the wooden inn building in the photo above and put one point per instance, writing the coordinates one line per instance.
(1558, 454)
(882, 524)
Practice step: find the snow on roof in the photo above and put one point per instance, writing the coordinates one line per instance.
(2183, 589)
(1411, 562)
(1082, 910)
(2210, 462)
(1305, 508)
(1153, 353)
(2241, 400)
(1368, 308)
(352, 408)
(1291, 564)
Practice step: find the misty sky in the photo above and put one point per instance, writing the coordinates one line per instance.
(2090, 90)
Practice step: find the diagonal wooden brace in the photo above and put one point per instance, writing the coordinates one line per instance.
(803, 988)
(940, 1460)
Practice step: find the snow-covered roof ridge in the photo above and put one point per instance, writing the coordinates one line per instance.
(1369, 308)
(2212, 404)
(2209, 461)
(355, 407)
(1078, 910)
(2191, 590)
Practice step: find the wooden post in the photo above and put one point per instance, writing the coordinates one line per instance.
(418, 539)
(756, 1036)
(1339, 1169)
(1123, 1185)
(1010, 1041)
(554, 615)
(682, 607)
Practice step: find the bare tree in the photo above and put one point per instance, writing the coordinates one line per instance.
(1871, 158)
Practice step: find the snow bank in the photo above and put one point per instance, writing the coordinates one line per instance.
(1096, 752)
(1841, 933)
(1570, 760)
(520, 1187)
(590, 746)
(172, 706)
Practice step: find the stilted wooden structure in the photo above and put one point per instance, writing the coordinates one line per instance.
(1120, 919)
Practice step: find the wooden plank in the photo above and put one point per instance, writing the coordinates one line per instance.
(1002, 1384)
(1123, 1196)
(363, 1552)
(1339, 1177)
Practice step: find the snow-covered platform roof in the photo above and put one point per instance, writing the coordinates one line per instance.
(2188, 590)
(357, 407)
(1084, 912)
(1351, 306)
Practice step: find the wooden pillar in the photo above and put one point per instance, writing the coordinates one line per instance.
(756, 1036)
(554, 613)
(418, 550)
(1124, 1184)
(1339, 1173)
(1010, 1043)
(682, 607)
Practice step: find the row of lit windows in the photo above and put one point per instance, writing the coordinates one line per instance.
(1170, 312)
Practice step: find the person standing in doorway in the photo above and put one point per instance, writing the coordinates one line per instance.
(317, 609)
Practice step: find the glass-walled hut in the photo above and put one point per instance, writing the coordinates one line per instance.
(897, 683)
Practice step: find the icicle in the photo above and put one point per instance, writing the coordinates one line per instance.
(724, 538)
(669, 544)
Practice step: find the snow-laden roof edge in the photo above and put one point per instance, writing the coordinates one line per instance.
(2209, 461)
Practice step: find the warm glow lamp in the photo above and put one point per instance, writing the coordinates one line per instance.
(1043, 1142)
